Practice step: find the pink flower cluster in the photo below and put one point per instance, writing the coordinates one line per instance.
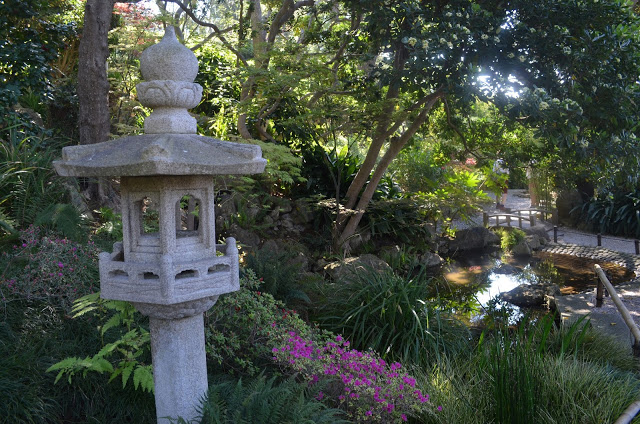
(46, 267)
(369, 388)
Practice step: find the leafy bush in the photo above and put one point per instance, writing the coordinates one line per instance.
(394, 316)
(264, 401)
(406, 220)
(279, 272)
(31, 35)
(614, 212)
(36, 333)
(361, 383)
(327, 172)
(510, 237)
(42, 266)
(244, 326)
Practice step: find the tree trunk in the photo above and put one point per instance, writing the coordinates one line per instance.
(342, 242)
(93, 87)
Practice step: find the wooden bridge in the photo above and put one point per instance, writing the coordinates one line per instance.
(521, 215)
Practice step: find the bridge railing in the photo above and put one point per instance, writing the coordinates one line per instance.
(521, 215)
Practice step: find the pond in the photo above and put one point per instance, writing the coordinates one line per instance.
(485, 275)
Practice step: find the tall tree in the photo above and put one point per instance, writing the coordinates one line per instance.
(93, 86)
(567, 68)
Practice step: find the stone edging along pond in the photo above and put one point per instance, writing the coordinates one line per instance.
(627, 260)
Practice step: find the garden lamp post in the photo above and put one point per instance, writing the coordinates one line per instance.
(168, 263)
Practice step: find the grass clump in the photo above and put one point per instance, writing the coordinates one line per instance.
(535, 373)
(394, 316)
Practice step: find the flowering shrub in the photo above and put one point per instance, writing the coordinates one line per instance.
(245, 325)
(364, 385)
(42, 266)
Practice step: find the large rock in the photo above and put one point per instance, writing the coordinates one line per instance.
(431, 260)
(530, 295)
(521, 249)
(537, 230)
(350, 267)
(473, 238)
(245, 237)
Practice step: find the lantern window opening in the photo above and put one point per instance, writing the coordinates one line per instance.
(149, 216)
(188, 210)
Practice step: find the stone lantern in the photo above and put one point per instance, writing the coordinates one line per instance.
(168, 264)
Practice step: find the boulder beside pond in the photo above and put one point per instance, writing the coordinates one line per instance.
(472, 238)
(530, 295)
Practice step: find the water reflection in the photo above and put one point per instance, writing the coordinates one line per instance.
(483, 276)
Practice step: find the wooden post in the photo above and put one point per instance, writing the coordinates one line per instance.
(626, 316)
(554, 216)
(555, 233)
(485, 219)
(599, 291)
(532, 220)
(637, 245)
(599, 239)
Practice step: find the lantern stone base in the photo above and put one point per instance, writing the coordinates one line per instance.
(179, 366)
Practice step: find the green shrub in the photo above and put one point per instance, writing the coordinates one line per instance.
(264, 401)
(615, 212)
(244, 326)
(406, 220)
(510, 237)
(393, 316)
(279, 272)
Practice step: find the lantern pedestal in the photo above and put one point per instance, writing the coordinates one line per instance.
(179, 366)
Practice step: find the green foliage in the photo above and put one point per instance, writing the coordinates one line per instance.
(510, 237)
(511, 362)
(34, 334)
(614, 212)
(126, 356)
(329, 172)
(263, 400)
(406, 220)
(419, 169)
(283, 169)
(393, 316)
(128, 36)
(28, 183)
(65, 220)
(220, 91)
(536, 370)
(31, 36)
(279, 272)
(110, 224)
(246, 325)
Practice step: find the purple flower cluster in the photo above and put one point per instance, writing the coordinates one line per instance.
(368, 388)
(41, 266)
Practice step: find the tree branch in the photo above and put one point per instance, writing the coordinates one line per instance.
(219, 33)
